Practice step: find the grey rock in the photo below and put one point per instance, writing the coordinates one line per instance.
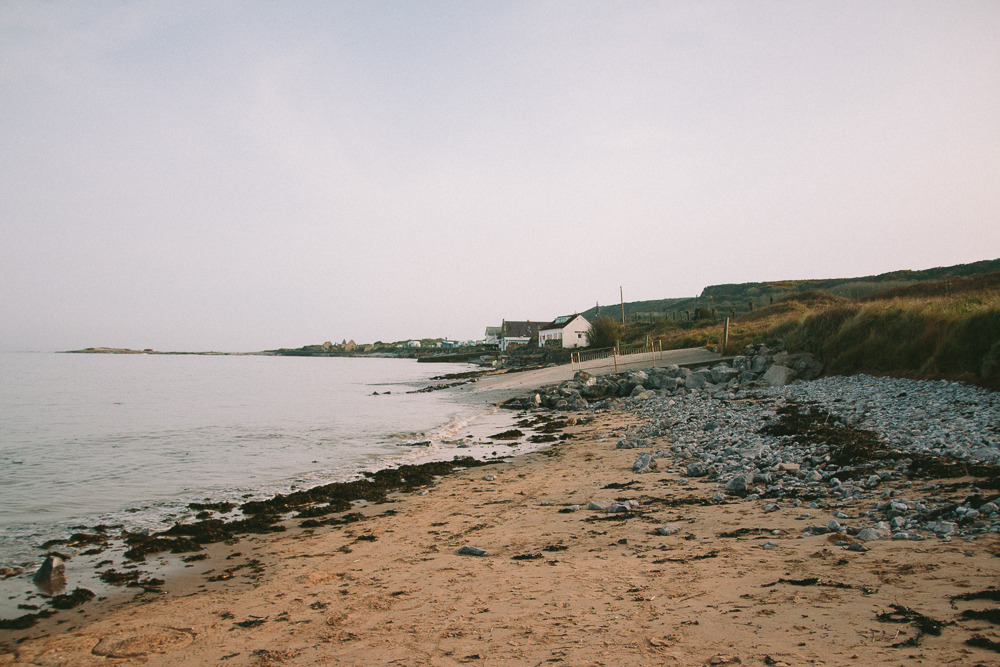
(472, 551)
(696, 470)
(602, 505)
(696, 380)
(778, 376)
(872, 534)
(645, 463)
(52, 571)
(737, 484)
(669, 529)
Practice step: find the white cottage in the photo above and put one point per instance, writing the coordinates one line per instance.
(567, 331)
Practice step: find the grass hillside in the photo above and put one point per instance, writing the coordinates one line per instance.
(741, 298)
(934, 329)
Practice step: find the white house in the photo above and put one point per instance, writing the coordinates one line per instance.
(493, 335)
(516, 334)
(567, 331)
(413, 343)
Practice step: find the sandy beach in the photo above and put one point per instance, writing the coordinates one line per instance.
(729, 583)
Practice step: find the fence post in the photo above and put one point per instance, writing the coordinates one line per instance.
(614, 351)
(725, 337)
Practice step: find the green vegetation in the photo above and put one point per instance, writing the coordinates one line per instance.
(604, 332)
(736, 300)
(933, 329)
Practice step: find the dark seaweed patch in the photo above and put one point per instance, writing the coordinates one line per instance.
(979, 641)
(534, 556)
(215, 507)
(991, 615)
(70, 600)
(857, 450)
(849, 445)
(816, 581)
(685, 559)
(24, 622)
(924, 624)
(116, 578)
(540, 439)
(262, 516)
(512, 434)
(991, 594)
(621, 485)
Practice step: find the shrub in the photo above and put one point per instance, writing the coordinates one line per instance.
(604, 332)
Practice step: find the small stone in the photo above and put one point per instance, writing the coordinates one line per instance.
(669, 529)
(489, 478)
(472, 551)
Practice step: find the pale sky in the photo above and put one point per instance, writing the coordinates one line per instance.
(248, 175)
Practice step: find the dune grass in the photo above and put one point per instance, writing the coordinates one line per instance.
(941, 329)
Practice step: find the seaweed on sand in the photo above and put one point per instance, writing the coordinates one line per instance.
(263, 516)
(25, 621)
(925, 625)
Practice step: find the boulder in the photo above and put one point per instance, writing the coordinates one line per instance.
(737, 484)
(696, 380)
(872, 534)
(804, 364)
(645, 463)
(723, 373)
(600, 504)
(758, 364)
(52, 571)
(778, 376)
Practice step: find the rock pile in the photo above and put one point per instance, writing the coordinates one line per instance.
(764, 365)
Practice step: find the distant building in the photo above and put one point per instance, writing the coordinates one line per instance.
(493, 335)
(517, 334)
(413, 343)
(567, 331)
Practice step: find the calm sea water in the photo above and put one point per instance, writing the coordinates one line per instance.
(131, 439)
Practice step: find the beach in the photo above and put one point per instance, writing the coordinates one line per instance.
(677, 577)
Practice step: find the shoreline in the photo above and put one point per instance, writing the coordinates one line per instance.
(575, 586)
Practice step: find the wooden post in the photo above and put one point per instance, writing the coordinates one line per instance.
(614, 352)
(725, 337)
(621, 295)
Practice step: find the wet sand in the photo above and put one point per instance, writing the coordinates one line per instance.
(557, 587)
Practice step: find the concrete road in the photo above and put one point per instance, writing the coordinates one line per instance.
(496, 388)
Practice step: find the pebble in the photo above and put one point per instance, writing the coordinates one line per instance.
(472, 551)
(934, 418)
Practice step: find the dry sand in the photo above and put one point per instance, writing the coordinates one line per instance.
(591, 588)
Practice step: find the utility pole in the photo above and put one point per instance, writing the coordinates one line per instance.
(621, 295)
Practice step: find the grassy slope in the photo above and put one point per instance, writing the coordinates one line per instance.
(948, 328)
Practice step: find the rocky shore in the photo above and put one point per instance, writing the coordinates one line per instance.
(731, 515)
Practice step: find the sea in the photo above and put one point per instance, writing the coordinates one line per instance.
(128, 440)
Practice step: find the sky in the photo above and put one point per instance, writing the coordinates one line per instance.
(193, 175)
